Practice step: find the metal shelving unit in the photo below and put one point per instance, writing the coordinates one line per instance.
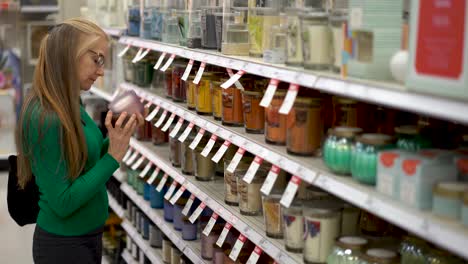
(154, 255)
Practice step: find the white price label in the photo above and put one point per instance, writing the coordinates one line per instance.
(187, 70)
(233, 79)
(236, 249)
(186, 133)
(161, 119)
(178, 194)
(162, 183)
(289, 99)
(199, 73)
(146, 170)
(124, 51)
(238, 84)
(235, 160)
(142, 99)
(255, 255)
(168, 123)
(153, 114)
(127, 155)
(270, 180)
(290, 191)
(153, 176)
(144, 54)
(197, 139)
(188, 205)
(197, 213)
(210, 224)
(250, 174)
(171, 190)
(137, 56)
(142, 257)
(168, 63)
(209, 146)
(223, 235)
(269, 93)
(132, 158)
(220, 153)
(138, 163)
(160, 60)
(177, 127)
(149, 104)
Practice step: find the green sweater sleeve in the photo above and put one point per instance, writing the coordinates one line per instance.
(105, 146)
(63, 196)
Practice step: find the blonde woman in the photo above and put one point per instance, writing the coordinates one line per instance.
(64, 149)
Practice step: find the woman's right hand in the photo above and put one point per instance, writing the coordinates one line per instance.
(119, 136)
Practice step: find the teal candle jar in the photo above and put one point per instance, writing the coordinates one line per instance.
(364, 156)
(338, 148)
(448, 199)
(409, 139)
(131, 177)
(464, 216)
(140, 185)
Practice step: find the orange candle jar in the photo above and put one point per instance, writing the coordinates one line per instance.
(217, 99)
(305, 126)
(203, 95)
(232, 107)
(191, 93)
(254, 114)
(275, 123)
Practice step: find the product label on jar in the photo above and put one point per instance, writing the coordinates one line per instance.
(235, 160)
(168, 123)
(236, 249)
(153, 114)
(210, 224)
(188, 205)
(132, 158)
(255, 255)
(171, 190)
(153, 176)
(209, 146)
(186, 133)
(197, 139)
(127, 155)
(440, 40)
(269, 93)
(221, 151)
(199, 73)
(161, 119)
(290, 191)
(162, 183)
(187, 70)
(408, 192)
(270, 180)
(234, 78)
(176, 196)
(385, 183)
(177, 127)
(160, 60)
(197, 213)
(250, 174)
(289, 99)
(138, 163)
(146, 169)
(168, 63)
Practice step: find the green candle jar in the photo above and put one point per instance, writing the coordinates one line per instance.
(347, 250)
(364, 156)
(338, 148)
(409, 139)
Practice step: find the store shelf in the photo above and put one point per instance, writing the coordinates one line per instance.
(114, 31)
(115, 206)
(154, 255)
(190, 248)
(39, 9)
(101, 93)
(119, 175)
(128, 257)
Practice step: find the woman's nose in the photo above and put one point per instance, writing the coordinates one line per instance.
(100, 71)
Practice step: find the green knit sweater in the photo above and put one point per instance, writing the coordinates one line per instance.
(69, 208)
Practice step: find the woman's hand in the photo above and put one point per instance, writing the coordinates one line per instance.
(119, 136)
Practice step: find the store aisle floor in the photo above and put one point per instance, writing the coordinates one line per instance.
(15, 241)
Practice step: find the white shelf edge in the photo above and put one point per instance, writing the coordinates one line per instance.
(115, 206)
(150, 253)
(119, 175)
(39, 9)
(103, 94)
(114, 31)
(382, 93)
(128, 257)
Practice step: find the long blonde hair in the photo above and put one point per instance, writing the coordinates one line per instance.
(56, 91)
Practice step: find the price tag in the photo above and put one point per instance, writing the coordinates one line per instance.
(178, 194)
(238, 84)
(217, 157)
(290, 191)
(210, 224)
(234, 78)
(250, 174)
(289, 100)
(138, 163)
(269, 93)
(123, 51)
(171, 190)
(127, 155)
(148, 105)
(168, 123)
(145, 170)
(142, 257)
(177, 127)
(236, 249)
(187, 70)
(255, 255)
(235, 160)
(153, 114)
(270, 180)
(199, 73)
(153, 176)
(188, 205)
(197, 139)
(161, 119)
(168, 63)
(144, 54)
(158, 63)
(223, 235)
(197, 213)
(209, 146)
(137, 56)
(162, 183)
(132, 158)
(187, 131)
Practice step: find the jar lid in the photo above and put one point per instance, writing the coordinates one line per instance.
(407, 130)
(346, 132)
(312, 101)
(375, 139)
(380, 255)
(275, 194)
(454, 190)
(342, 100)
(351, 242)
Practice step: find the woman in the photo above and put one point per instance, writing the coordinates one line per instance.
(64, 149)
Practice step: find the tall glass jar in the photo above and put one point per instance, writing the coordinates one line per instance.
(175, 149)
(349, 220)
(134, 20)
(272, 214)
(316, 40)
(235, 34)
(338, 19)
(276, 123)
(208, 25)
(294, 54)
(178, 85)
(232, 107)
(293, 227)
(170, 32)
(143, 72)
(183, 22)
(338, 147)
(231, 195)
(347, 250)
(187, 154)
(194, 31)
(191, 93)
(345, 112)
(168, 82)
(276, 51)
(128, 66)
(250, 197)
(217, 99)
(254, 114)
(146, 21)
(203, 95)
(205, 168)
(262, 17)
(156, 23)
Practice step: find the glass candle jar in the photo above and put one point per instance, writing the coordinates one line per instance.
(194, 31)
(347, 250)
(176, 254)
(338, 147)
(219, 29)
(260, 21)
(203, 95)
(166, 250)
(293, 227)
(156, 23)
(305, 126)
(157, 198)
(189, 230)
(250, 197)
(235, 33)
(146, 22)
(272, 214)
(205, 168)
(217, 99)
(349, 220)
(208, 242)
(338, 19)
(232, 107)
(143, 72)
(175, 150)
(322, 223)
(316, 40)
(178, 85)
(155, 237)
(134, 20)
(208, 26)
(178, 216)
(191, 93)
(409, 139)
(187, 154)
(294, 55)
(168, 82)
(143, 132)
(128, 66)
(364, 156)
(146, 192)
(275, 53)
(379, 256)
(345, 112)
(447, 199)
(275, 123)
(254, 114)
(158, 137)
(231, 195)
(183, 22)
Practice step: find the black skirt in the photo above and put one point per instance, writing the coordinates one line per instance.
(50, 248)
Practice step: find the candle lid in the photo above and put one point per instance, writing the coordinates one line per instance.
(407, 130)
(381, 256)
(342, 100)
(310, 101)
(351, 242)
(454, 190)
(346, 132)
(375, 139)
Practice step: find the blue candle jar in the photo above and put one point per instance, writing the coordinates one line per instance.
(146, 191)
(168, 211)
(146, 228)
(338, 147)
(147, 20)
(448, 199)
(134, 19)
(178, 216)
(189, 230)
(156, 23)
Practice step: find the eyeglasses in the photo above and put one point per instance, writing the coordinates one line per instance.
(99, 59)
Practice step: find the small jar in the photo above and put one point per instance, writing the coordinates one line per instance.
(250, 197)
(409, 139)
(293, 227)
(305, 126)
(272, 214)
(347, 250)
(189, 230)
(364, 156)
(175, 148)
(205, 168)
(254, 114)
(168, 82)
(166, 250)
(203, 95)
(276, 123)
(465, 209)
(187, 154)
(176, 254)
(191, 93)
(178, 85)
(349, 220)
(338, 147)
(156, 237)
(338, 18)
(322, 223)
(380, 256)
(316, 40)
(345, 112)
(217, 99)
(231, 195)
(232, 107)
(447, 199)
(168, 211)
